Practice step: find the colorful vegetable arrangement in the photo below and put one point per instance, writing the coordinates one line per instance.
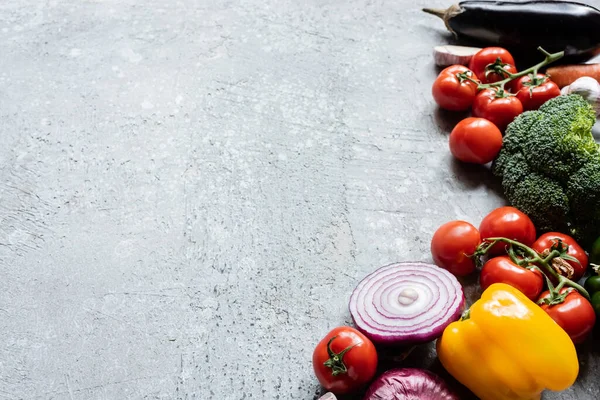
(492, 87)
(533, 311)
(549, 166)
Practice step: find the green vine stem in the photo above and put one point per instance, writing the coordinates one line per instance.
(533, 257)
(499, 86)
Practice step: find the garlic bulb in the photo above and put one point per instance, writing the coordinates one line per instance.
(586, 87)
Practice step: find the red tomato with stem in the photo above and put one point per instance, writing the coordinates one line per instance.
(529, 281)
(487, 56)
(345, 360)
(575, 314)
(452, 244)
(475, 140)
(499, 76)
(510, 223)
(499, 107)
(452, 90)
(535, 91)
(547, 240)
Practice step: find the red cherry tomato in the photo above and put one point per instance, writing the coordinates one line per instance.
(495, 76)
(452, 244)
(500, 110)
(533, 94)
(354, 368)
(451, 91)
(547, 240)
(503, 270)
(510, 223)
(475, 140)
(575, 315)
(487, 56)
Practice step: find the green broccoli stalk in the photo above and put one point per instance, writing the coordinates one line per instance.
(550, 167)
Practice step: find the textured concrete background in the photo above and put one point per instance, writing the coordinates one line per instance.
(190, 190)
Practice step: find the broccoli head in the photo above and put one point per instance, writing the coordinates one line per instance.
(546, 197)
(584, 196)
(550, 166)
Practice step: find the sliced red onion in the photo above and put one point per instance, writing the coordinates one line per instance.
(406, 303)
(409, 384)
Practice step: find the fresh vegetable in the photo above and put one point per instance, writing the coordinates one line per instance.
(576, 266)
(564, 75)
(501, 73)
(406, 303)
(560, 299)
(489, 56)
(535, 90)
(409, 384)
(344, 360)
(529, 280)
(475, 140)
(455, 87)
(596, 303)
(594, 255)
(451, 245)
(497, 106)
(592, 284)
(550, 167)
(452, 90)
(507, 222)
(525, 24)
(445, 56)
(551, 263)
(571, 311)
(508, 348)
(588, 88)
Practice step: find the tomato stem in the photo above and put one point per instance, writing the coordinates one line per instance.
(550, 58)
(336, 360)
(534, 258)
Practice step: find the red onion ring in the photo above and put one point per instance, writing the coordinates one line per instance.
(406, 303)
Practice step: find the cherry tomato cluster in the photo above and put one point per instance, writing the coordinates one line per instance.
(455, 244)
(496, 93)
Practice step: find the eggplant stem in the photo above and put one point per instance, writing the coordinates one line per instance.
(438, 12)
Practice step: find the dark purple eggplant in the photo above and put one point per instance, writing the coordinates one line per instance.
(554, 25)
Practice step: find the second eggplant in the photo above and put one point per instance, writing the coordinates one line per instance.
(554, 25)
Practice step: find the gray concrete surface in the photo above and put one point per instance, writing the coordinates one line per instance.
(190, 190)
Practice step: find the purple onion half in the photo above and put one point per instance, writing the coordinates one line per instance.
(406, 303)
(409, 384)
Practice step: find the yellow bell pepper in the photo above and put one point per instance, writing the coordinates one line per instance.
(508, 348)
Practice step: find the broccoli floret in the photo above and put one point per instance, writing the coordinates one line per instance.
(550, 166)
(519, 130)
(516, 164)
(559, 144)
(543, 200)
(584, 194)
